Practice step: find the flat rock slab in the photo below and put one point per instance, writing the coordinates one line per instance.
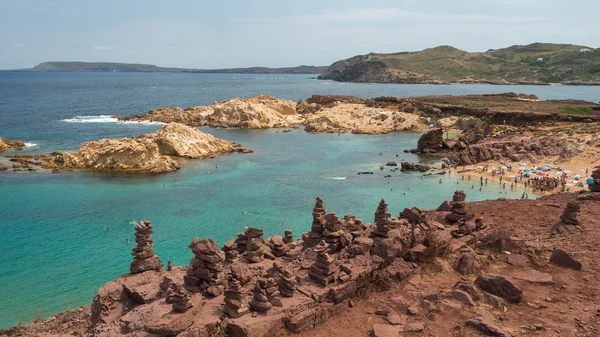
(396, 319)
(534, 276)
(563, 259)
(486, 327)
(500, 286)
(385, 330)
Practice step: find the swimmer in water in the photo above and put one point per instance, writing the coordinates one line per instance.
(165, 185)
(127, 241)
(440, 181)
(107, 228)
(246, 213)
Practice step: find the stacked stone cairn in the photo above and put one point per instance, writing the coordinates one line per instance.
(323, 270)
(382, 222)
(144, 257)
(569, 216)
(288, 237)
(459, 208)
(353, 225)
(595, 187)
(333, 231)
(253, 247)
(206, 272)
(315, 235)
(235, 301)
(286, 282)
(179, 297)
(230, 248)
(279, 247)
(260, 301)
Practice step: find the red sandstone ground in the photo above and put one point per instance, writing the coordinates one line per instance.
(570, 306)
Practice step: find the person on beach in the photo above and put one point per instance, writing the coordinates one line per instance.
(469, 178)
(486, 181)
(472, 186)
(463, 177)
(480, 189)
(512, 186)
(526, 196)
(440, 181)
(523, 195)
(504, 186)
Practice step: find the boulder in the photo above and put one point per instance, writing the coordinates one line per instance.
(501, 286)
(486, 327)
(385, 330)
(563, 259)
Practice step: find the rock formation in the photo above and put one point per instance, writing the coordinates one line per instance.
(569, 216)
(179, 297)
(315, 235)
(254, 112)
(6, 144)
(235, 301)
(253, 244)
(286, 282)
(205, 272)
(352, 225)
(279, 247)
(431, 141)
(459, 208)
(147, 153)
(382, 222)
(408, 166)
(144, 257)
(323, 270)
(260, 301)
(230, 248)
(595, 187)
(288, 237)
(333, 231)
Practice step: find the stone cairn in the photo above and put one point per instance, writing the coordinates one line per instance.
(353, 225)
(569, 216)
(286, 282)
(459, 208)
(323, 270)
(333, 230)
(253, 244)
(230, 249)
(205, 272)
(315, 235)
(279, 247)
(235, 301)
(595, 187)
(260, 301)
(179, 297)
(382, 222)
(288, 237)
(144, 257)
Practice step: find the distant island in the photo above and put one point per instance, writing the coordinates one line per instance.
(537, 63)
(134, 67)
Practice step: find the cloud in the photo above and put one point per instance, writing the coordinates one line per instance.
(381, 15)
(104, 48)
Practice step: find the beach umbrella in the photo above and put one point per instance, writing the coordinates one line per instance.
(549, 165)
(542, 169)
(577, 176)
(527, 169)
(590, 181)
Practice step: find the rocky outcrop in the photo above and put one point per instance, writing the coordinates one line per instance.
(257, 112)
(408, 166)
(206, 272)
(431, 141)
(144, 257)
(6, 144)
(595, 187)
(146, 153)
(515, 149)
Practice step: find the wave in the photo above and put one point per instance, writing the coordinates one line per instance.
(30, 144)
(338, 178)
(106, 119)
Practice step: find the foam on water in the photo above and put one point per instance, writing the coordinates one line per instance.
(31, 144)
(105, 119)
(338, 178)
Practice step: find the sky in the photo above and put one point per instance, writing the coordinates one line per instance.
(276, 33)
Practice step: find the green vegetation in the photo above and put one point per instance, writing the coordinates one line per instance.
(571, 110)
(538, 62)
(131, 67)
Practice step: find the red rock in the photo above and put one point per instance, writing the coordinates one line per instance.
(562, 259)
(487, 327)
(462, 297)
(385, 330)
(534, 276)
(501, 286)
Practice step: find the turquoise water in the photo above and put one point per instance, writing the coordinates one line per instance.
(55, 250)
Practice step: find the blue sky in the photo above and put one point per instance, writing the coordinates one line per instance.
(242, 33)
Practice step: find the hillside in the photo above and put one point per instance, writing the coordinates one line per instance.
(538, 63)
(133, 67)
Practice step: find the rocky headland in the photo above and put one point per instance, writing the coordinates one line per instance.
(257, 112)
(147, 153)
(6, 144)
(488, 268)
(534, 64)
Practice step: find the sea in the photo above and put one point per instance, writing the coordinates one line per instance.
(63, 235)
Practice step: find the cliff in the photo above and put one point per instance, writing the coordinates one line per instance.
(6, 144)
(147, 153)
(537, 63)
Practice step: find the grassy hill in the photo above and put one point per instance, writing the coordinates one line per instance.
(134, 67)
(539, 63)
